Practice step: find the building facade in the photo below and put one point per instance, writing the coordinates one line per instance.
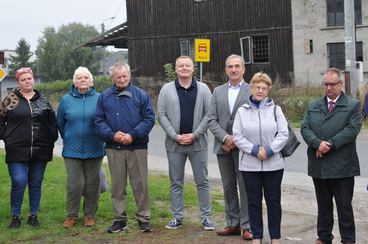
(5, 57)
(318, 37)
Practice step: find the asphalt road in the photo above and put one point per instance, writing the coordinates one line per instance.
(296, 163)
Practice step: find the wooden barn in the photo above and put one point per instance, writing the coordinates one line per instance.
(158, 31)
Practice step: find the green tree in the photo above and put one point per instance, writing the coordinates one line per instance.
(23, 54)
(60, 52)
(48, 54)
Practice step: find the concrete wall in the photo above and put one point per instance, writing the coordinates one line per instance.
(310, 23)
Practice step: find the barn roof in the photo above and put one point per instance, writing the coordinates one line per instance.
(116, 36)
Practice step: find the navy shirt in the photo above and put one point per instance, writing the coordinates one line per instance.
(187, 100)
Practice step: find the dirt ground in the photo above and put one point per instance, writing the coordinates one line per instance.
(298, 223)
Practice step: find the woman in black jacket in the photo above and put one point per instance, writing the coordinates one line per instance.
(28, 128)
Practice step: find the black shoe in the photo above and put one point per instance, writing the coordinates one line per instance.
(145, 226)
(15, 223)
(117, 226)
(208, 224)
(33, 221)
(174, 224)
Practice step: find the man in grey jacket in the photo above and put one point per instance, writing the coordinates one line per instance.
(182, 107)
(225, 101)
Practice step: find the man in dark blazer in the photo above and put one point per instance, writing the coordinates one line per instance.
(330, 127)
(225, 101)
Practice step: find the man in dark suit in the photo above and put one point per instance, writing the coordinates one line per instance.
(330, 127)
(225, 101)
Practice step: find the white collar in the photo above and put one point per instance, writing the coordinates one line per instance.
(334, 101)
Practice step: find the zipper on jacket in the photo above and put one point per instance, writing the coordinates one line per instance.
(30, 108)
(260, 133)
(83, 124)
(242, 155)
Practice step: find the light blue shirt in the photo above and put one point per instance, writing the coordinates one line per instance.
(233, 94)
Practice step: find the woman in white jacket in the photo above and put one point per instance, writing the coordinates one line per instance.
(260, 132)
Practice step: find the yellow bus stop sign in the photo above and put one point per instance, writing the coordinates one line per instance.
(2, 74)
(202, 50)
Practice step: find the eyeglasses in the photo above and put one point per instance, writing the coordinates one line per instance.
(331, 84)
(261, 88)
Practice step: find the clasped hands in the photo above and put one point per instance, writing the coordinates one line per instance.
(229, 144)
(123, 138)
(262, 154)
(323, 148)
(185, 139)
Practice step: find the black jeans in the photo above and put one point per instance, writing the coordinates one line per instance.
(342, 190)
(267, 183)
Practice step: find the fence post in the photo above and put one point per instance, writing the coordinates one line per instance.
(347, 83)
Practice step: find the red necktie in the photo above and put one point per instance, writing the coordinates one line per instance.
(330, 106)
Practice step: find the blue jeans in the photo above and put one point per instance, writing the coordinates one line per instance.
(21, 174)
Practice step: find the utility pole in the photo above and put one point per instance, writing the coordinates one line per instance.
(102, 27)
(350, 54)
(104, 48)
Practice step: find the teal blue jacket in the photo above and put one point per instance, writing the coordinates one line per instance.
(75, 120)
(339, 127)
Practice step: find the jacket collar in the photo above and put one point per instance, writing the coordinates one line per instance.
(75, 93)
(262, 104)
(17, 92)
(340, 100)
(116, 91)
(322, 104)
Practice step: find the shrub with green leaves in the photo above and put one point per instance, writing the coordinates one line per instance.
(56, 89)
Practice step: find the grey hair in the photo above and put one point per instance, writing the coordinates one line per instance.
(335, 71)
(119, 65)
(233, 56)
(82, 71)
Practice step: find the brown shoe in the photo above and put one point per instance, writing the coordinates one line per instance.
(69, 222)
(229, 231)
(319, 242)
(88, 221)
(247, 235)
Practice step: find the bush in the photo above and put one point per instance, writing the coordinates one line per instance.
(169, 72)
(294, 100)
(56, 89)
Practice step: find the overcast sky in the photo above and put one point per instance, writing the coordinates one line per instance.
(27, 19)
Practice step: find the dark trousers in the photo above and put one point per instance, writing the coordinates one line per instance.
(342, 190)
(267, 183)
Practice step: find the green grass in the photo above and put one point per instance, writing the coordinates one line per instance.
(53, 211)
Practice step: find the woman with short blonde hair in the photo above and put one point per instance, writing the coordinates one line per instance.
(260, 132)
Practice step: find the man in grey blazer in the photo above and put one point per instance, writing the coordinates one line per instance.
(182, 109)
(225, 101)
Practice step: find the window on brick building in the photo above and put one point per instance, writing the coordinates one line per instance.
(335, 12)
(336, 54)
